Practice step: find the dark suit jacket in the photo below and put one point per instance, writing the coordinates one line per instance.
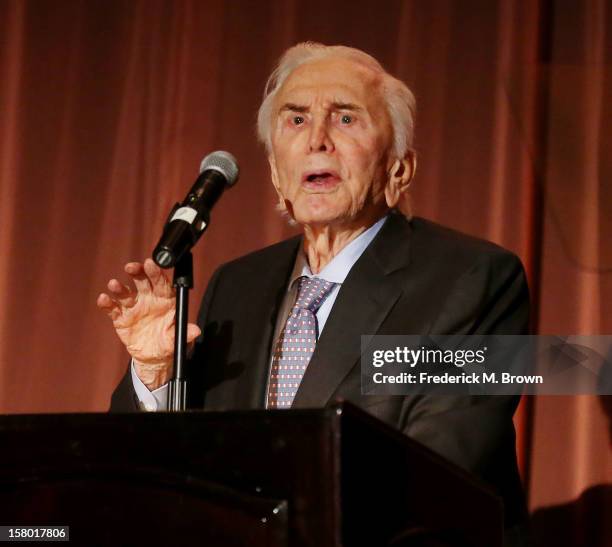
(416, 277)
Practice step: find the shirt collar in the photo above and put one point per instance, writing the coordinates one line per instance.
(340, 266)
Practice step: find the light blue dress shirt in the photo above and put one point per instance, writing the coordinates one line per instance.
(335, 271)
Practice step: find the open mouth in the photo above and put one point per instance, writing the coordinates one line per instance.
(320, 180)
(319, 177)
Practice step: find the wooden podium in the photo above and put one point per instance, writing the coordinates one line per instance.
(328, 477)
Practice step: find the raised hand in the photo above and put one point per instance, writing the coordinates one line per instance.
(143, 318)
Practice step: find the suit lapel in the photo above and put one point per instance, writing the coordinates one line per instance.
(365, 299)
(256, 341)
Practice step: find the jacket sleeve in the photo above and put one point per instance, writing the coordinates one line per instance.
(477, 432)
(124, 397)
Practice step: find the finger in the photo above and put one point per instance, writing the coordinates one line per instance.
(136, 271)
(121, 293)
(159, 281)
(108, 305)
(193, 331)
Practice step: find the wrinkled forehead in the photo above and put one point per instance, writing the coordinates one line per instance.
(333, 79)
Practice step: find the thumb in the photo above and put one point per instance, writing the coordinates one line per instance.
(193, 331)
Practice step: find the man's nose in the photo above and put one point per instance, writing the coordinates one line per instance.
(320, 140)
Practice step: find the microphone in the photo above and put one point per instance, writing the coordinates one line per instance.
(188, 220)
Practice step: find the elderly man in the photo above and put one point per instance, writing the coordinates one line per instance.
(338, 131)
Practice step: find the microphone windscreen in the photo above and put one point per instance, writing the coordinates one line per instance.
(224, 163)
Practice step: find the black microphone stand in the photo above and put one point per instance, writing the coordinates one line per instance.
(182, 282)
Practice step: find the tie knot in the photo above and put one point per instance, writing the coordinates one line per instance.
(312, 292)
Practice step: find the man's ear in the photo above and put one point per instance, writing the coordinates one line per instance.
(273, 171)
(274, 176)
(400, 176)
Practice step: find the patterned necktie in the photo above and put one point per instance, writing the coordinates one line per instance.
(296, 342)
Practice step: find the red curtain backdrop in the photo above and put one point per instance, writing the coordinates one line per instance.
(107, 107)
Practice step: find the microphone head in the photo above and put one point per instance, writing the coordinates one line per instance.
(224, 163)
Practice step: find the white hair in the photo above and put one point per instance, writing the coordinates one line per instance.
(398, 98)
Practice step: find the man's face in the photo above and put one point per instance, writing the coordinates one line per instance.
(330, 141)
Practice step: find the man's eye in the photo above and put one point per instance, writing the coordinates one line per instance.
(346, 119)
(297, 120)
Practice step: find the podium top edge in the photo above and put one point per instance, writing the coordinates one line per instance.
(336, 408)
